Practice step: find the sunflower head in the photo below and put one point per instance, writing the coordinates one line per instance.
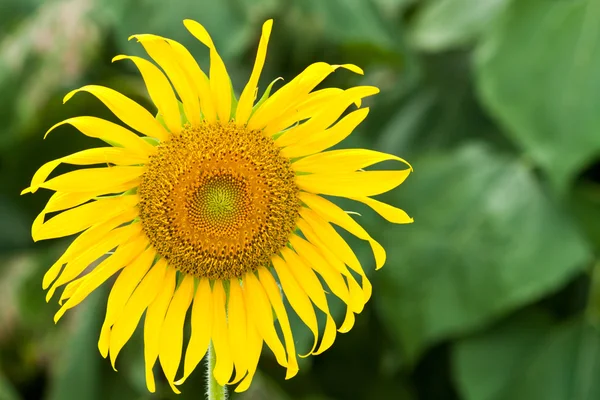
(216, 205)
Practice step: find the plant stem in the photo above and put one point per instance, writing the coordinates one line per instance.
(215, 391)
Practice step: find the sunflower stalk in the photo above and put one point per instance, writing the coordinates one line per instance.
(214, 390)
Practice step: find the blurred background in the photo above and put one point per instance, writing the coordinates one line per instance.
(492, 294)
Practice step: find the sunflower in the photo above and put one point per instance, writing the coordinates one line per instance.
(219, 207)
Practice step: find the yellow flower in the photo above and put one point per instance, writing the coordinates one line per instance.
(217, 197)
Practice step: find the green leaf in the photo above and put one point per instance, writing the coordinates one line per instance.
(77, 369)
(526, 358)
(7, 391)
(226, 22)
(539, 74)
(350, 21)
(486, 240)
(585, 203)
(445, 24)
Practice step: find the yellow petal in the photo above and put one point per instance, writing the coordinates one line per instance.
(96, 250)
(319, 141)
(109, 132)
(352, 184)
(348, 322)
(312, 257)
(95, 179)
(202, 322)
(220, 337)
(293, 93)
(107, 155)
(313, 288)
(326, 116)
(164, 55)
(332, 213)
(313, 103)
(201, 84)
(236, 317)
(63, 200)
(82, 217)
(159, 292)
(126, 110)
(322, 244)
(330, 236)
(248, 95)
(391, 213)
(70, 289)
(83, 242)
(160, 91)
(258, 302)
(274, 294)
(220, 84)
(254, 349)
(337, 245)
(298, 299)
(107, 268)
(171, 334)
(343, 160)
(120, 293)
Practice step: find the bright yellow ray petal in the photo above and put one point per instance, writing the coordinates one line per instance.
(254, 350)
(107, 268)
(220, 337)
(311, 257)
(202, 322)
(120, 293)
(313, 288)
(321, 243)
(348, 321)
(96, 250)
(126, 110)
(70, 289)
(326, 116)
(83, 242)
(198, 77)
(342, 160)
(258, 302)
(236, 318)
(159, 292)
(274, 294)
(248, 95)
(160, 91)
(60, 201)
(293, 93)
(298, 299)
(171, 334)
(332, 213)
(164, 55)
(389, 212)
(109, 132)
(311, 105)
(352, 184)
(95, 179)
(82, 217)
(220, 84)
(330, 236)
(106, 155)
(337, 245)
(63, 200)
(319, 141)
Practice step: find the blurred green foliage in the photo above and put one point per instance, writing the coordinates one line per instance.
(492, 294)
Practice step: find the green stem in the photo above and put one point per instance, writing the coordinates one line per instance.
(215, 391)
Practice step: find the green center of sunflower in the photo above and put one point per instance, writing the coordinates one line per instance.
(218, 200)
